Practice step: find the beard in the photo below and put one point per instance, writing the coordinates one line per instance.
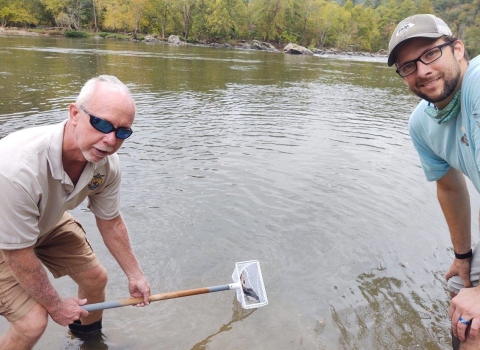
(94, 158)
(451, 79)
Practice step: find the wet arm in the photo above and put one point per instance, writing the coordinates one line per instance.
(454, 200)
(115, 236)
(32, 276)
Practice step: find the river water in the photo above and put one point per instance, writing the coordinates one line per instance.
(303, 163)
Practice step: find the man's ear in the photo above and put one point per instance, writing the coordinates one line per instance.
(458, 50)
(74, 112)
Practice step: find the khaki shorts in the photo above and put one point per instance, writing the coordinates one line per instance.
(64, 251)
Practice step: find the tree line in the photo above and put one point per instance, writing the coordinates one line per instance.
(343, 24)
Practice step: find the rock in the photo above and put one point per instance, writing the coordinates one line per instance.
(175, 39)
(297, 50)
(222, 46)
(260, 45)
(150, 38)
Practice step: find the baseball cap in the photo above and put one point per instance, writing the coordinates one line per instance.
(417, 26)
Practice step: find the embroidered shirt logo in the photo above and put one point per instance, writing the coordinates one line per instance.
(96, 181)
(464, 137)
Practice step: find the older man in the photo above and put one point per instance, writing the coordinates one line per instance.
(445, 129)
(44, 172)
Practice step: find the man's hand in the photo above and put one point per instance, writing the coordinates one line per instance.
(467, 306)
(68, 310)
(460, 267)
(139, 288)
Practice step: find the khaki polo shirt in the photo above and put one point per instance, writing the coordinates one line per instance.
(35, 190)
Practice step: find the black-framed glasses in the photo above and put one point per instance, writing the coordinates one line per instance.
(106, 127)
(427, 57)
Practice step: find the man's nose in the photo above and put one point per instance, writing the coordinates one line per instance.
(110, 138)
(422, 68)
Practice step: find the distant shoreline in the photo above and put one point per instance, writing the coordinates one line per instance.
(59, 32)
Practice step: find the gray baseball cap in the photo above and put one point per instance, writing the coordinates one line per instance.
(417, 26)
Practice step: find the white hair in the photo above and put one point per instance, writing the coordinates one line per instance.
(90, 86)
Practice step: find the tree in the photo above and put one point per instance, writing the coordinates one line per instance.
(159, 11)
(269, 15)
(19, 12)
(472, 40)
(186, 8)
(425, 6)
(225, 17)
(125, 15)
(365, 21)
(326, 25)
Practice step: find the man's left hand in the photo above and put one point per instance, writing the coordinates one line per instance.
(139, 287)
(465, 313)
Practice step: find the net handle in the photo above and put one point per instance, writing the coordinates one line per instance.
(161, 296)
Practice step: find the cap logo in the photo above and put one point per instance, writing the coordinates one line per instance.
(404, 29)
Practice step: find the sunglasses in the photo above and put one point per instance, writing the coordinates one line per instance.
(106, 127)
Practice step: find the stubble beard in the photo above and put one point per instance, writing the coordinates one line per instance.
(92, 159)
(451, 79)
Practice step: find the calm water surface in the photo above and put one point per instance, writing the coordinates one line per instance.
(303, 163)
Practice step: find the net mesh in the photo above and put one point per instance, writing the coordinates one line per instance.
(252, 292)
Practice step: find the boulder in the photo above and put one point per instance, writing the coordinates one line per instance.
(175, 39)
(261, 45)
(295, 49)
(149, 38)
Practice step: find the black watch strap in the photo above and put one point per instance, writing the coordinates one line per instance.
(463, 256)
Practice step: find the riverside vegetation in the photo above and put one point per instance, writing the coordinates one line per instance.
(359, 25)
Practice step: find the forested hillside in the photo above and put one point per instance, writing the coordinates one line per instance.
(347, 25)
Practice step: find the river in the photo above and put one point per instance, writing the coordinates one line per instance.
(303, 163)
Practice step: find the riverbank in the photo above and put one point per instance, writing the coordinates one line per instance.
(176, 40)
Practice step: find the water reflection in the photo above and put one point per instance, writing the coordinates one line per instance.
(238, 315)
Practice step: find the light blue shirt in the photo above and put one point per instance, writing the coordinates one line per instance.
(455, 143)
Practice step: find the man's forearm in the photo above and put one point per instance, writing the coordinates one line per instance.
(454, 200)
(32, 276)
(115, 236)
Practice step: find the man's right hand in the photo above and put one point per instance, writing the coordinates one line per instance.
(460, 267)
(68, 311)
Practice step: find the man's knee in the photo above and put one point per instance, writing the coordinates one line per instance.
(25, 332)
(34, 322)
(94, 279)
(99, 277)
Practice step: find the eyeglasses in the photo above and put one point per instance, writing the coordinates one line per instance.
(426, 58)
(106, 127)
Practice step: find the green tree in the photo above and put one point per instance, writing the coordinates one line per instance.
(20, 12)
(160, 12)
(224, 18)
(186, 9)
(268, 17)
(326, 25)
(472, 40)
(425, 6)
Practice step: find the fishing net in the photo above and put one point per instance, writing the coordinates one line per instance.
(252, 293)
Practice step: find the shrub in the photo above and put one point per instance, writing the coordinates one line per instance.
(75, 34)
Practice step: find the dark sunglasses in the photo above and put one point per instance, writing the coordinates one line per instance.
(106, 127)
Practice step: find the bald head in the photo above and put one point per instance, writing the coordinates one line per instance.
(103, 83)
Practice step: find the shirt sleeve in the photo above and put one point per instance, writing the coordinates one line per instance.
(433, 165)
(19, 214)
(471, 104)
